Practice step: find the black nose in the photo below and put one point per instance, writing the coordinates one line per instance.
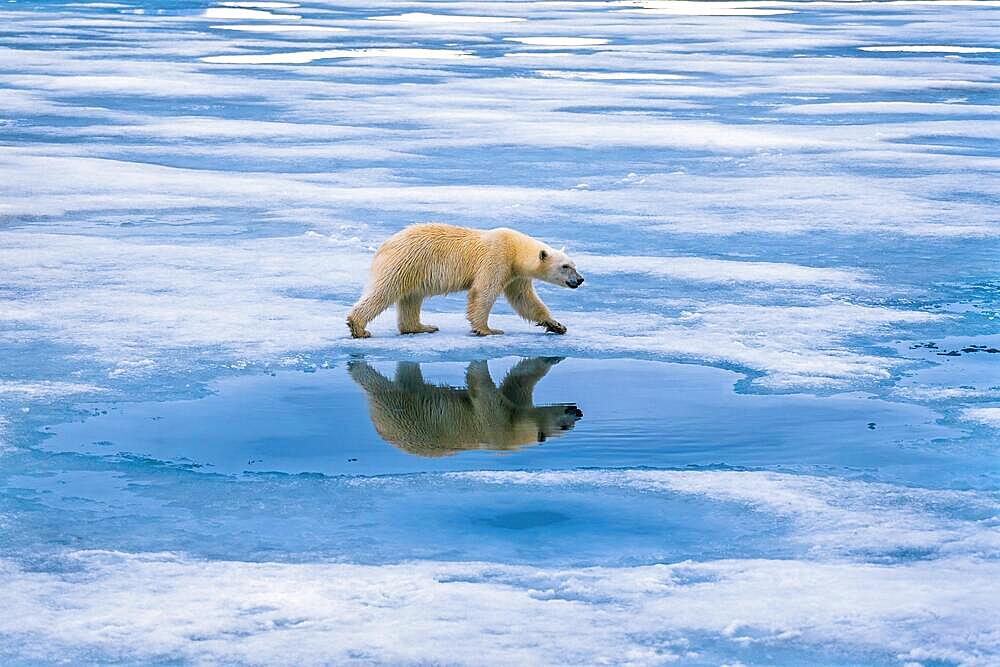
(579, 281)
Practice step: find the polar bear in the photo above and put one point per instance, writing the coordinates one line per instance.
(435, 420)
(431, 259)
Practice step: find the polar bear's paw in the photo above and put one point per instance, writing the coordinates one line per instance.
(419, 329)
(357, 329)
(551, 326)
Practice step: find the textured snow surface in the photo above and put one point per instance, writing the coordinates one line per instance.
(935, 608)
(492, 614)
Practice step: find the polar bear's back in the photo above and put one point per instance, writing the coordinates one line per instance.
(430, 259)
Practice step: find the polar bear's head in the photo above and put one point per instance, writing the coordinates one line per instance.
(557, 268)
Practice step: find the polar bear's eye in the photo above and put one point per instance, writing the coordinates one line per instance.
(565, 266)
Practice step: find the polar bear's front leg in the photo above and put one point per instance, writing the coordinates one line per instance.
(367, 309)
(481, 300)
(522, 297)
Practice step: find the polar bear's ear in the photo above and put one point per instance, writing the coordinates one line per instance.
(542, 255)
(562, 249)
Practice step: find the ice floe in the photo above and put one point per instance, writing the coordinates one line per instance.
(688, 8)
(242, 13)
(426, 18)
(609, 76)
(558, 42)
(987, 416)
(45, 389)
(797, 345)
(262, 4)
(230, 611)
(303, 57)
(277, 28)
(917, 108)
(928, 48)
(721, 271)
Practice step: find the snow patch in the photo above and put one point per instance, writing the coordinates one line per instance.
(425, 18)
(492, 613)
(930, 393)
(715, 8)
(557, 42)
(45, 389)
(928, 48)
(608, 76)
(303, 57)
(277, 28)
(261, 5)
(701, 269)
(986, 416)
(246, 14)
(921, 108)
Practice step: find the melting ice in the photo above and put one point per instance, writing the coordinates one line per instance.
(769, 437)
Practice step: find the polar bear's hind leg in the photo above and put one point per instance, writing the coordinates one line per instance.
(367, 309)
(408, 314)
(482, 296)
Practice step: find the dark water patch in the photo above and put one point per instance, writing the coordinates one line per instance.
(525, 520)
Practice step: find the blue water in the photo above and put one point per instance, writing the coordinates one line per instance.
(768, 438)
(631, 414)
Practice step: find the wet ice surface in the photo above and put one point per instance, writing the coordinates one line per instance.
(797, 201)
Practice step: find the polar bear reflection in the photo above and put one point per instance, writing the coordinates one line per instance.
(438, 420)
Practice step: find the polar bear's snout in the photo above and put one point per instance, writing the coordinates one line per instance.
(574, 280)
